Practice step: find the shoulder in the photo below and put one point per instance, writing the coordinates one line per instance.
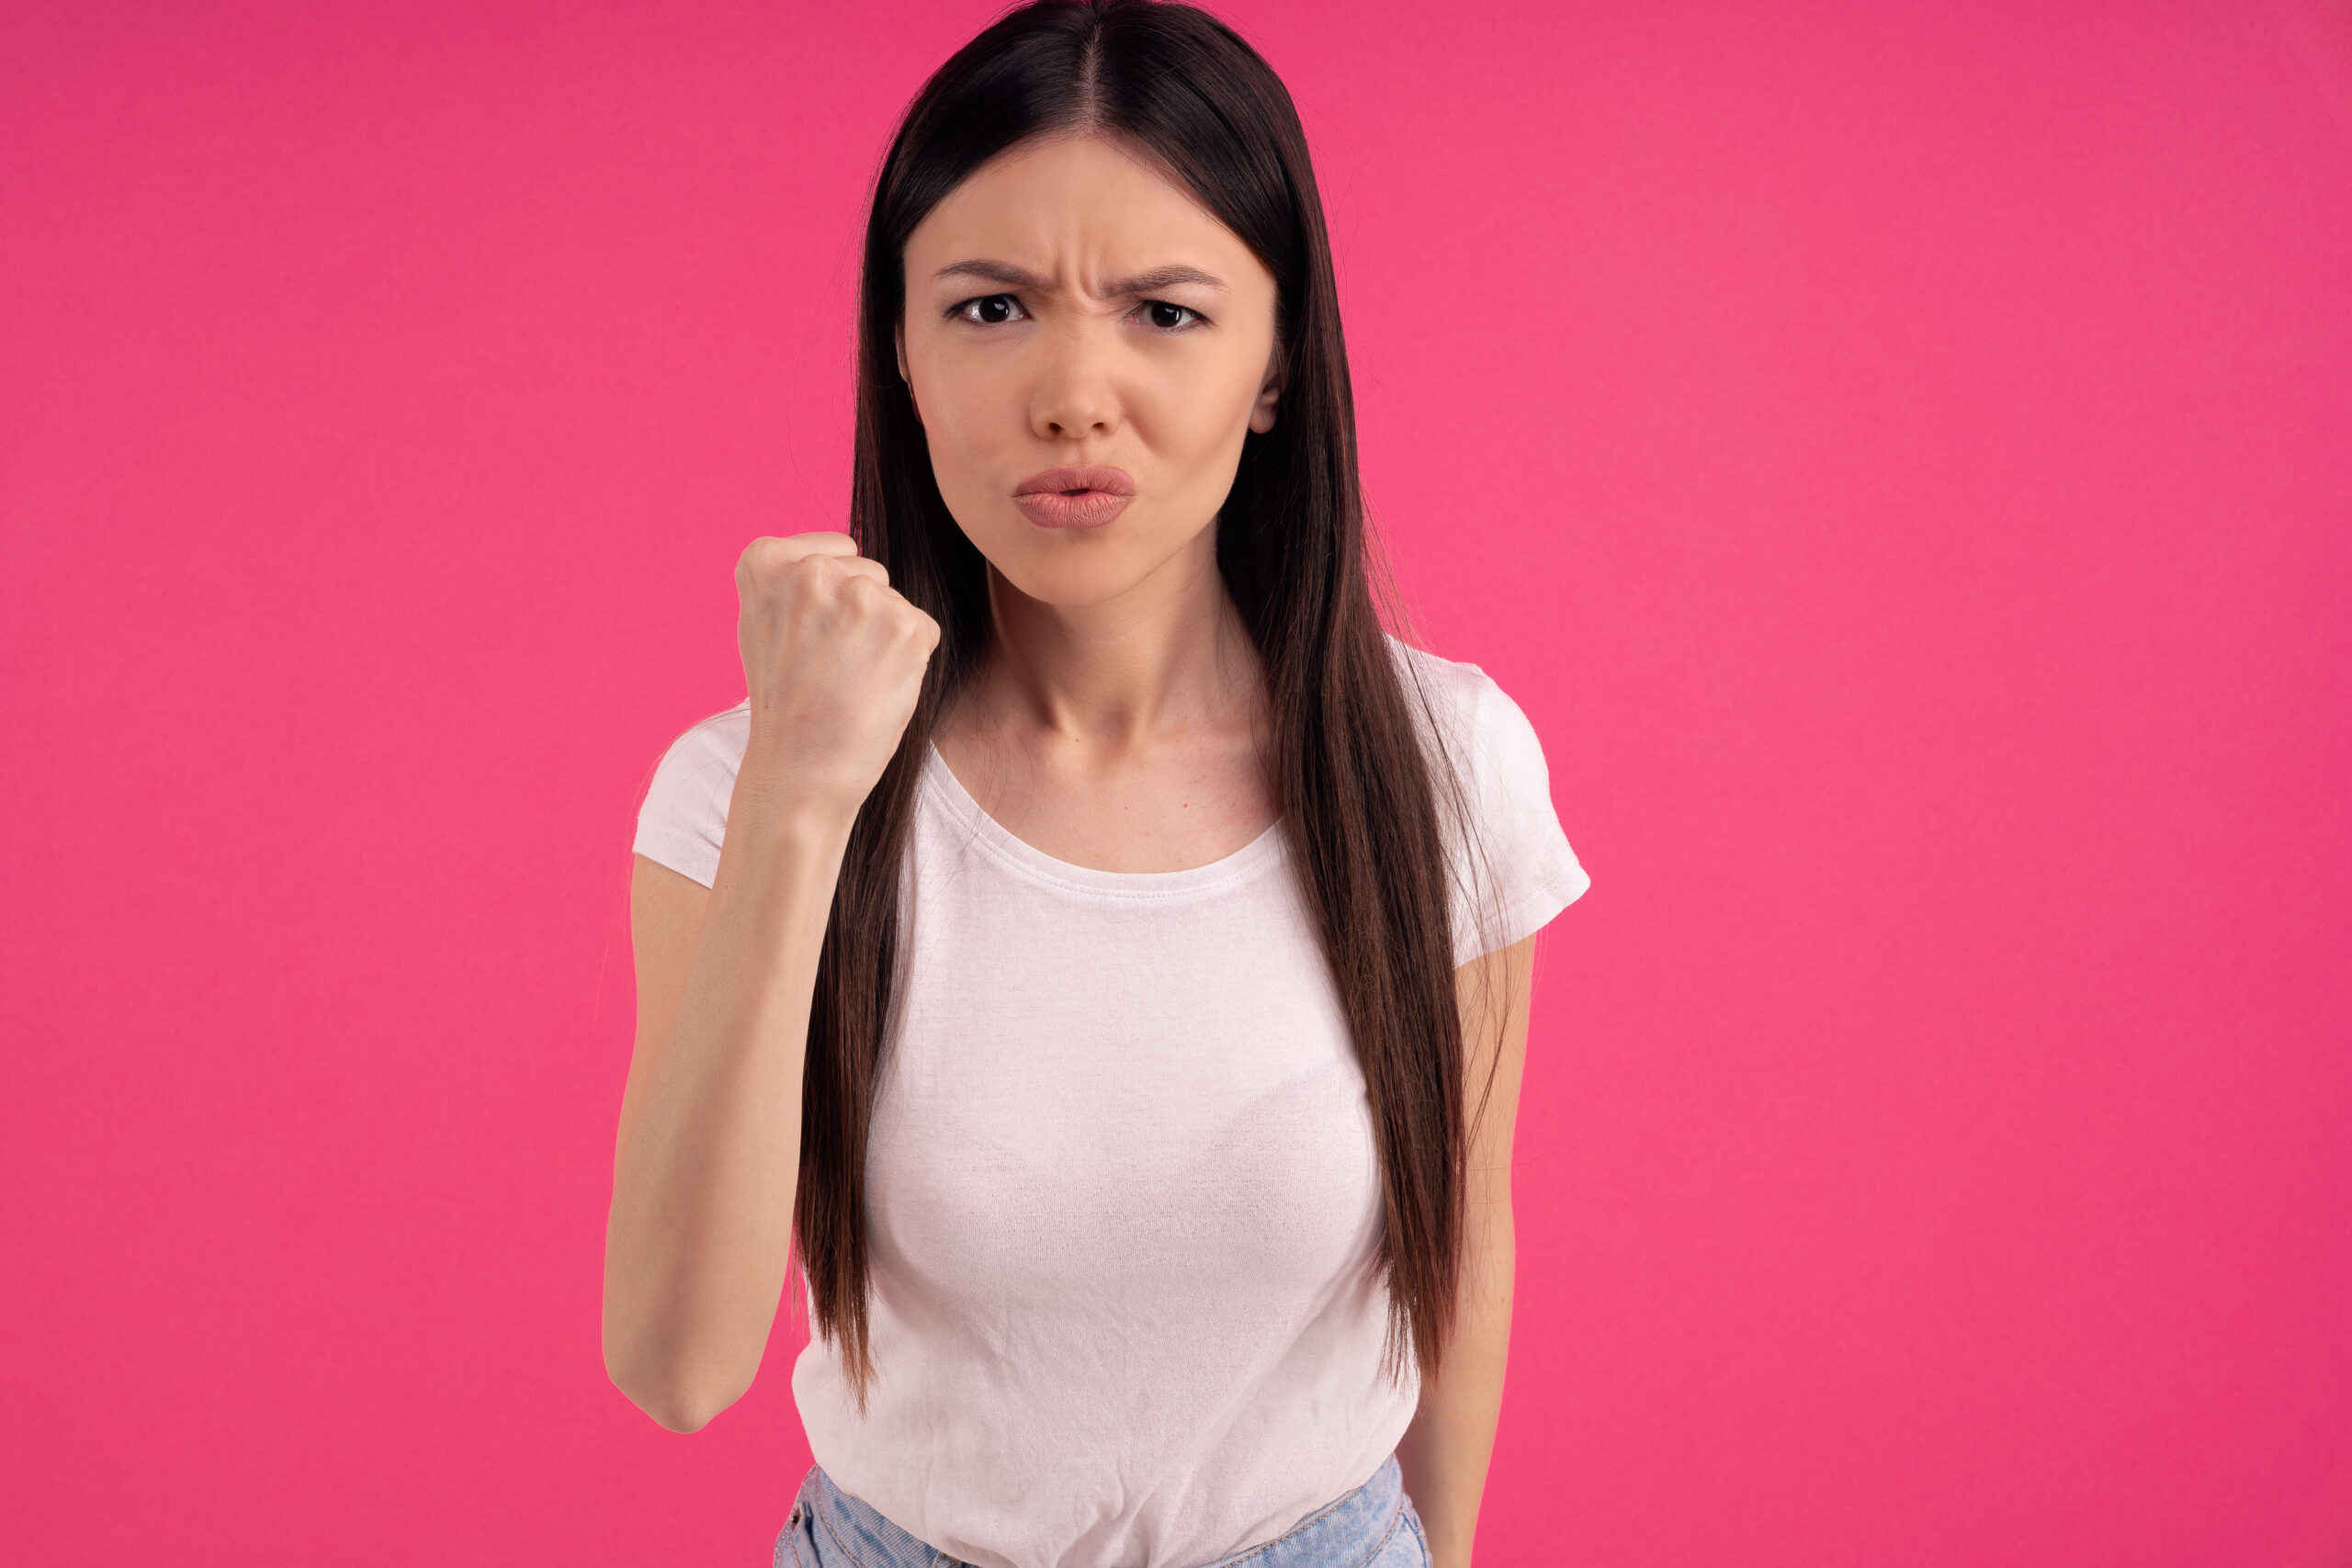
(681, 821)
(1468, 711)
(1514, 869)
(1452, 690)
(1478, 735)
(1482, 737)
(712, 745)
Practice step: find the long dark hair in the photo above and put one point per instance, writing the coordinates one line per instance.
(1360, 795)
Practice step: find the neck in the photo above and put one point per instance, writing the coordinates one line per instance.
(1168, 660)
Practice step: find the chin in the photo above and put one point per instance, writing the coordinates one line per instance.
(1072, 568)
(1075, 574)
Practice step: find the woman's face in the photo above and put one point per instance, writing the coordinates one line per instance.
(1069, 308)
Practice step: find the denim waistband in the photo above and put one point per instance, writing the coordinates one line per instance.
(830, 1529)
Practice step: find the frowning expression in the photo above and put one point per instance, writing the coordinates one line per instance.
(1068, 308)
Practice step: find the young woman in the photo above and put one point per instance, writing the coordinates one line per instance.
(1097, 943)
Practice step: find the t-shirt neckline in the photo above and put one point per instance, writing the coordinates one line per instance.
(1027, 858)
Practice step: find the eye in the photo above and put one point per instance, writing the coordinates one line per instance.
(1171, 318)
(998, 309)
(988, 309)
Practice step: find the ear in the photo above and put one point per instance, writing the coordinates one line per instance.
(1261, 412)
(899, 347)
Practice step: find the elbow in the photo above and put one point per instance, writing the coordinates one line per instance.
(693, 1405)
(678, 1414)
(676, 1369)
(676, 1403)
(673, 1406)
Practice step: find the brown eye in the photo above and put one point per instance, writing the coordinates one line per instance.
(990, 310)
(1170, 318)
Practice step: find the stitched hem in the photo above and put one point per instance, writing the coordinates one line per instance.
(825, 1517)
(1386, 1536)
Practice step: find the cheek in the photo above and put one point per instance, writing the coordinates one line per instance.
(1197, 415)
(964, 417)
(973, 432)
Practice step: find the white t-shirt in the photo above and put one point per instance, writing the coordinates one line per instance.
(1123, 1204)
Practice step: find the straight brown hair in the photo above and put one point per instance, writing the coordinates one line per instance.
(1362, 778)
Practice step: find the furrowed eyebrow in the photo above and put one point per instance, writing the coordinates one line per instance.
(1141, 283)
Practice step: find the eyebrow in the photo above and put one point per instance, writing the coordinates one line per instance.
(1159, 277)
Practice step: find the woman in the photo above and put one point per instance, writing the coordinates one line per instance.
(1094, 939)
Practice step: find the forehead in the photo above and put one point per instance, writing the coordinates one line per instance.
(1074, 199)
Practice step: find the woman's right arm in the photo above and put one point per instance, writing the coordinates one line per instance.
(707, 1159)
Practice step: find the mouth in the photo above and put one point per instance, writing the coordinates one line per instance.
(1074, 498)
(1070, 509)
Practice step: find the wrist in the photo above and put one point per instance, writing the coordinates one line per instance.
(783, 798)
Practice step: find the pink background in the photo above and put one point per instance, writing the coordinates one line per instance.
(1900, 456)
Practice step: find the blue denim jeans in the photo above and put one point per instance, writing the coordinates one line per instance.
(1372, 1526)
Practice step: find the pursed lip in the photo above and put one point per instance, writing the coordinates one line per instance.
(1078, 481)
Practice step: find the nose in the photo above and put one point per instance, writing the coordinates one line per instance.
(1073, 397)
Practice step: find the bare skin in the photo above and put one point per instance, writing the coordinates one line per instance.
(1119, 720)
(1067, 305)
(709, 1155)
(1443, 1453)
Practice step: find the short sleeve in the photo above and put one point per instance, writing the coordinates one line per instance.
(683, 821)
(1527, 874)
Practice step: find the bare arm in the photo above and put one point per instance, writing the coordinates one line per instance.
(1445, 1450)
(706, 1164)
(707, 1160)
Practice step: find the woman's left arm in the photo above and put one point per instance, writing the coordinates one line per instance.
(1443, 1454)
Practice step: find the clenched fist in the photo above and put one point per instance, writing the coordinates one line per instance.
(832, 660)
